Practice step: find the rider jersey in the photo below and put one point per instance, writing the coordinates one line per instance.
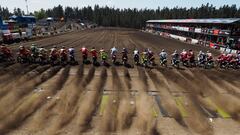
(5, 50)
(222, 57)
(84, 50)
(71, 51)
(209, 56)
(104, 55)
(175, 56)
(53, 52)
(201, 56)
(229, 57)
(94, 53)
(113, 51)
(163, 55)
(184, 54)
(144, 55)
(63, 51)
(34, 49)
(135, 52)
(24, 51)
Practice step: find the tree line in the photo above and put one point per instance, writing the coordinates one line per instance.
(131, 18)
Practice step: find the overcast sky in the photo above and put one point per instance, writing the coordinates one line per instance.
(38, 4)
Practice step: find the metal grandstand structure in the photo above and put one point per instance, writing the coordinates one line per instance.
(214, 32)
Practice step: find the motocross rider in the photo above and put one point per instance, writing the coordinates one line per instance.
(175, 57)
(183, 55)
(84, 51)
(5, 51)
(43, 52)
(124, 53)
(209, 56)
(135, 52)
(113, 51)
(23, 52)
(201, 57)
(144, 56)
(71, 52)
(34, 50)
(54, 52)
(190, 56)
(163, 55)
(103, 54)
(93, 52)
(222, 58)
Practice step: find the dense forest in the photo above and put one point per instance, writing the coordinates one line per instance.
(134, 18)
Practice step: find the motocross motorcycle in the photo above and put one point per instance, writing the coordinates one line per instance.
(145, 62)
(54, 60)
(34, 57)
(114, 58)
(104, 61)
(136, 59)
(72, 60)
(209, 64)
(176, 63)
(94, 60)
(124, 60)
(42, 59)
(63, 59)
(85, 61)
(163, 62)
(23, 58)
(6, 57)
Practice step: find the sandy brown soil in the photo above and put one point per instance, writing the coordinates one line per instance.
(84, 99)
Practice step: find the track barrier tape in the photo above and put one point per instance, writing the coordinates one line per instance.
(180, 105)
(220, 111)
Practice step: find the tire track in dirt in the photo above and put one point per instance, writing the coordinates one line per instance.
(8, 72)
(89, 103)
(30, 105)
(226, 81)
(126, 109)
(108, 122)
(228, 102)
(19, 80)
(196, 119)
(68, 107)
(145, 122)
(167, 98)
(12, 101)
(14, 75)
(45, 113)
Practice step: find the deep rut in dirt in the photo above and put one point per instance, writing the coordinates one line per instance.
(196, 120)
(68, 107)
(30, 105)
(127, 109)
(145, 122)
(89, 103)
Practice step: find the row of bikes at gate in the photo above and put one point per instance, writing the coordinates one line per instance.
(64, 56)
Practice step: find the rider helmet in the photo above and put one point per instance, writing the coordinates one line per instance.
(163, 50)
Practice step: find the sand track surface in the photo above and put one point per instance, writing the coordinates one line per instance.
(90, 100)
